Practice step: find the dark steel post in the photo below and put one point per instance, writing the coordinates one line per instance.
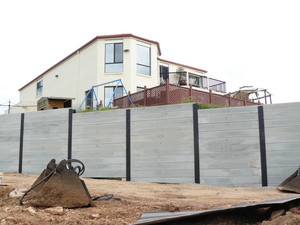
(128, 147)
(196, 144)
(70, 130)
(21, 143)
(262, 141)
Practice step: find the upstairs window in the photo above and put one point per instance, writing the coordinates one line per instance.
(39, 88)
(198, 80)
(164, 72)
(143, 60)
(114, 57)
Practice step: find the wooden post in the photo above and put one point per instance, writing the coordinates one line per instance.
(191, 91)
(244, 102)
(167, 92)
(145, 96)
(128, 99)
(210, 96)
(229, 99)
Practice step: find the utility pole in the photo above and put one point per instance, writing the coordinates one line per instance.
(9, 106)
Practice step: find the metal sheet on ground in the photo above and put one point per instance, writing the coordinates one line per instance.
(158, 217)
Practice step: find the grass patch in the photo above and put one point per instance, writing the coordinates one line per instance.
(201, 105)
(100, 109)
(208, 106)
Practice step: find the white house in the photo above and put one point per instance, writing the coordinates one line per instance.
(134, 60)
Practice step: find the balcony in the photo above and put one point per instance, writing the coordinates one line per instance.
(167, 93)
(186, 79)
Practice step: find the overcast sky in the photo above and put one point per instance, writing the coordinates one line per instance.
(253, 42)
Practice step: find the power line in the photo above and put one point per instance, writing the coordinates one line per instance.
(10, 106)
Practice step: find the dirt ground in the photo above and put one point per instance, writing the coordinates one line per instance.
(139, 197)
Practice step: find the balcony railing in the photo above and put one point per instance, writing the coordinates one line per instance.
(186, 79)
(217, 85)
(166, 94)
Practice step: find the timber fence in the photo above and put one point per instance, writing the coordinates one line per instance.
(168, 94)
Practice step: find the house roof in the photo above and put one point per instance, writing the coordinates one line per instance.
(167, 61)
(87, 44)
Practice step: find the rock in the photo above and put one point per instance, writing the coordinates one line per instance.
(55, 210)
(9, 218)
(277, 213)
(3, 222)
(17, 193)
(94, 216)
(31, 210)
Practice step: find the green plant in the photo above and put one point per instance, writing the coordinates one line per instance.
(100, 109)
(208, 106)
(200, 105)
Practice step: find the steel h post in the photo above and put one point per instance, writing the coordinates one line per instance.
(21, 143)
(128, 146)
(262, 142)
(196, 144)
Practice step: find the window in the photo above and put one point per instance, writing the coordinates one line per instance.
(89, 99)
(143, 60)
(39, 88)
(114, 58)
(198, 80)
(108, 93)
(164, 74)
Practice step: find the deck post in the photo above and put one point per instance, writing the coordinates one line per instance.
(128, 101)
(167, 92)
(145, 95)
(191, 91)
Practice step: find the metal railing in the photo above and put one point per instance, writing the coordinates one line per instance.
(195, 80)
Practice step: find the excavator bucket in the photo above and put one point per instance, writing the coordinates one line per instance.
(59, 185)
(292, 183)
